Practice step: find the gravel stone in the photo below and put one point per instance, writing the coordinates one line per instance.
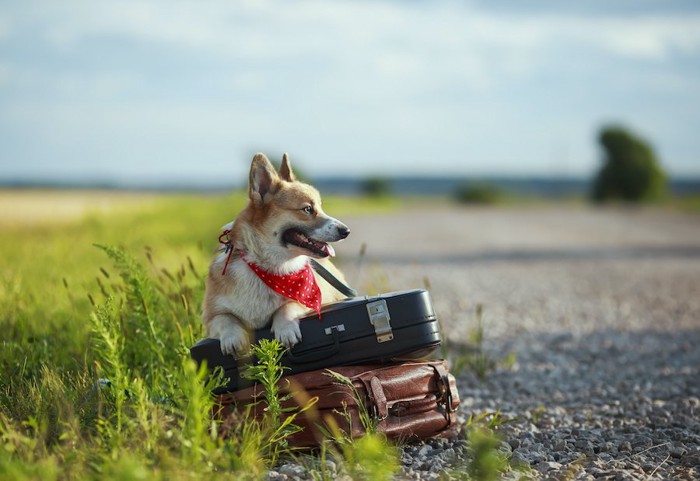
(423, 451)
(275, 476)
(292, 471)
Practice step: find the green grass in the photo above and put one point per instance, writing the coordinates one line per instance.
(52, 270)
(97, 314)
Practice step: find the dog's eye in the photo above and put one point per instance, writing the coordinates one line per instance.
(309, 209)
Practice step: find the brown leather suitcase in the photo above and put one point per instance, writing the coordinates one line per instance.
(407, 401)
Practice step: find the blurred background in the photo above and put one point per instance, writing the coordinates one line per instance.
(388, 95)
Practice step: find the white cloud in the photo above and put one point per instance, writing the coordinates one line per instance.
(645, 37)
(390, 43)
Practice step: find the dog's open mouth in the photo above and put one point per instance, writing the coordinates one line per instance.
(316, 247)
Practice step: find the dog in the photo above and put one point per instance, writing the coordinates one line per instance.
(261, 273)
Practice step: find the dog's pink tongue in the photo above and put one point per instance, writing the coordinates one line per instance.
(328, 249)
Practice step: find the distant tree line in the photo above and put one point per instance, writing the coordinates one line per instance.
(630, 172)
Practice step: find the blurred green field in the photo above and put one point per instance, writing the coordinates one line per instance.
(72, 313)
(52, 265)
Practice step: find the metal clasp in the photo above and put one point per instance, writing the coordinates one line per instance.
(338, 328)
(375, 413)
(379, 317)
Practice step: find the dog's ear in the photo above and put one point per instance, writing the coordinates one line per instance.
(263, 179)
(286, 169)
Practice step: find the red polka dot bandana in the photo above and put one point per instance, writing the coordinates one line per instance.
(299, 286)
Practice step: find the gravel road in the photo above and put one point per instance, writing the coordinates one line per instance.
(601, 309)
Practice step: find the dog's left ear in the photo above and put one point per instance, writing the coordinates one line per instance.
(286, 169)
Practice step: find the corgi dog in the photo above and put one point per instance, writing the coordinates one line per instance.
(261, 273)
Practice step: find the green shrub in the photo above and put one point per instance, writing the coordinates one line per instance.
(376, 187)
(631, 171)
(478, 193)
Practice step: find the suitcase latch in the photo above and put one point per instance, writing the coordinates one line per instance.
(338, 328)
(379, 317)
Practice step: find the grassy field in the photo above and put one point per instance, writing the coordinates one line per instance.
(100, 295)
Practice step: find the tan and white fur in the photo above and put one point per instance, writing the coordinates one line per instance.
(280, 228)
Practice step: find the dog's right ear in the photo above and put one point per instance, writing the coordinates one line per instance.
(263, 180)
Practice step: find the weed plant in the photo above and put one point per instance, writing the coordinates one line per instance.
(277, 423)
(473, 356)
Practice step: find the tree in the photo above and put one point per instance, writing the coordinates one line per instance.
(631, 171)
(376, 187)
(478, 193)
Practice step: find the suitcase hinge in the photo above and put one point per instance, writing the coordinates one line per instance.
(380, 319)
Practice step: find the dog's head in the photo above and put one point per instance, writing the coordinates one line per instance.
(284, 218)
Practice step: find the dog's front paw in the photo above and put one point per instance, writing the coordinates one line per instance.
(235, 343)
(287, 332)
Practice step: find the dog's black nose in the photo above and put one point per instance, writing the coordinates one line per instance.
(343, 231)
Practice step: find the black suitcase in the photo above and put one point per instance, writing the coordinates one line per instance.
(393, 326)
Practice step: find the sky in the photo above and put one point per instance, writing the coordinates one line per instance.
(186, 92)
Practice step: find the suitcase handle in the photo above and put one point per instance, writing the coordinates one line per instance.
(317, 354)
